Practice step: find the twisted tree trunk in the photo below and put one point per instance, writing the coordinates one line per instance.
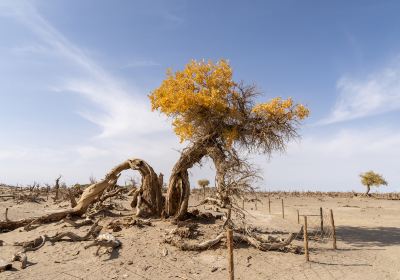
(179, 186)
(149, 194)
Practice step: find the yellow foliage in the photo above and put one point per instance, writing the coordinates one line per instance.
(279, 108)
(371, 178)
(203, 99)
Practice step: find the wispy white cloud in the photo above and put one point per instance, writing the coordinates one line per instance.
(127, 125)
(376, 94)
(122, 110)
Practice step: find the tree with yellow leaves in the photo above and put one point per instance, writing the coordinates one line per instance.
(219, 117)
(370, 178)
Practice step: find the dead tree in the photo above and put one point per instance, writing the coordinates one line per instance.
(150, 194)
(57, 188)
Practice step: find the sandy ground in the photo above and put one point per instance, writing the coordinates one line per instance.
(368, 233)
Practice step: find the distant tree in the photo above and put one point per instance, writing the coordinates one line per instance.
(370, 179)
(203, 183)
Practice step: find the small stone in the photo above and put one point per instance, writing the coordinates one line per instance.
(130, 262)
(214, 269)
(165, 252)
(121, 263)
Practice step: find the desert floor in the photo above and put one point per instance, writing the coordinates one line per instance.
(368, 232)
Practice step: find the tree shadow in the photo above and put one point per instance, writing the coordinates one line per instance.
(367, 237)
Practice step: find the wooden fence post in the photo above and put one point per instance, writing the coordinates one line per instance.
(298, 216)
(333, 231)
(306, 240)
(6, 214)
(283, 210)
(229, 236)
(269, 204)
(322, 219)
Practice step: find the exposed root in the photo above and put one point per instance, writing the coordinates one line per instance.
(263, 246)
(78, 224)
(254, 242)
(192, 246)
(39, 242)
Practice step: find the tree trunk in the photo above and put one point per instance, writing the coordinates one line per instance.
(57, 188)
(368, 190)
(221, 166)
(179, 187)
(149, 193)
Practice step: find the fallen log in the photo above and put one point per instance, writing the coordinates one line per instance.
(150, 192)
(263, 246)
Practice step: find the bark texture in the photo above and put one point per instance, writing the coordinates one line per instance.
(179, 187)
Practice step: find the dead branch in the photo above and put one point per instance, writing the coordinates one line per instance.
(150, 190)
(263, 246)
(111, 194)
(78, 224)
(39, 242)
(192, 246)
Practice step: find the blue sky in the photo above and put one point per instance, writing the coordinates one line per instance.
(74, 79)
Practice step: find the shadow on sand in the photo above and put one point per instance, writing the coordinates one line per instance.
(366, 236)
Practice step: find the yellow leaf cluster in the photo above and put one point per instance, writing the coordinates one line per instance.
(193, 93)
(281, 108)
(371, 178)
(203, 84)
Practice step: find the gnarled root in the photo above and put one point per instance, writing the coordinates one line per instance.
(263, 246)
(39, 242)
(191, 246)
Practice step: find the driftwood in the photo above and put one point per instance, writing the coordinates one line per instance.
(150, 192)
(78, 224)
(39, 242)
(263, 246)
(191, 246)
